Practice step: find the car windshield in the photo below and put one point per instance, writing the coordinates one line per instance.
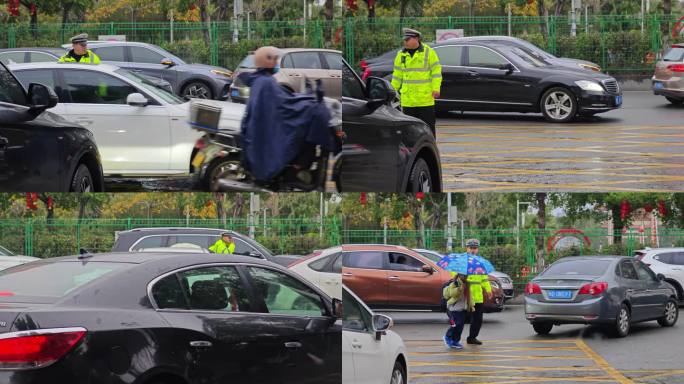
(431, 256)
(528, 57)
(248, 62)
(535, 51)
(578, 267)
(150, 87)
(57, 278)
(674, 54)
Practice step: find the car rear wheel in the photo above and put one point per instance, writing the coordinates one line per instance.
(558, 105)
(671, 314)
(542, 328)
(674, 100)
(82, 180)
(218, 168)
(398, 374)
(420, 179)
(622, 322)
(197, 90)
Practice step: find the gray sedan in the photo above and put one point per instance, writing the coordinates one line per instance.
(612, 291)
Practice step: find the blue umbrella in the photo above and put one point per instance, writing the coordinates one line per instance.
(466, 264)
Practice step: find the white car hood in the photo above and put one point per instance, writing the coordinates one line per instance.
(231, 113)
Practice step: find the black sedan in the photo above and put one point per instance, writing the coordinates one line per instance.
(384, 150)
(148, 318)
(612, 291)
(143, 238)
(40, 151)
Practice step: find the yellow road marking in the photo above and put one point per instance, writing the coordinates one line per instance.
(519, 379)
(601, 362)
(490, 342)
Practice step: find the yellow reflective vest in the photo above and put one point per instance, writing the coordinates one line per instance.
(89, 58)
(222, 248)
(416, 77)
(476, 283)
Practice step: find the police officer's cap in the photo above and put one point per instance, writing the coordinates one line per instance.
(78, 39)
(408, 33)
(475, 243)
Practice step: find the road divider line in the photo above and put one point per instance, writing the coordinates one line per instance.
(601, 362)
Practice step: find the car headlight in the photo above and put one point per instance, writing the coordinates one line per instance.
(222, 73)
(594, 68)
(495, 284)
(589, 85)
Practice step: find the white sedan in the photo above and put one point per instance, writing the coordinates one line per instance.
(323, 269)
(140, 129)
(371, 353)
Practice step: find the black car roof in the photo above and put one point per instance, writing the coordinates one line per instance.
(166, 258)
(171, 230)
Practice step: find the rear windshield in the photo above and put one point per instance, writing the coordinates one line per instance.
(578, 267)
(53, 280)
(675, 54)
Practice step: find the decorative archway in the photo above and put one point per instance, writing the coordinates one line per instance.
(562, 233)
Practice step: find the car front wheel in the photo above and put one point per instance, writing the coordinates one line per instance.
(558, 105)
(82, 180)
(420, 179)
(197, 90)
(398, 374)
(671, 314)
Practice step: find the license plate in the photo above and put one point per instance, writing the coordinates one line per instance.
(554, 294)
(618, 100)
(235, 93)
(658, 85)
(198, 160)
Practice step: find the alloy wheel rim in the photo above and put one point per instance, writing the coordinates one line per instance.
(670, 312)
(397, 377)
(558, 105)
(424, 183)
(624, 320)
(198, 92)
(85, 185)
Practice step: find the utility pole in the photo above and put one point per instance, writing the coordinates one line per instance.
(517, 222)
(450, 237)
(573, 14)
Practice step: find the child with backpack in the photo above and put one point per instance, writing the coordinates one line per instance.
(454, 292)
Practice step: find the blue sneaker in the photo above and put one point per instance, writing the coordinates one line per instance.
(447, 342)
(457, 345)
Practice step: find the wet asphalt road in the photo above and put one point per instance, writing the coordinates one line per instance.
(639, 147)
(512, 353)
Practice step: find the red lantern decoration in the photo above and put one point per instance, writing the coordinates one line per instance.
(33, 9)
(363, 199)
(648, 208)
(371, 3)
(662, 209)
(352, 6)
(31, 199)
(50, 203)
(420, 196)
(625, 209)
(13, 8)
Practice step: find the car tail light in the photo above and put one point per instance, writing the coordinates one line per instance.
(33, 349)
(676, 67)
(6, 294)
(593, 289)
(532, 289)
(200, 144)
(363, 64)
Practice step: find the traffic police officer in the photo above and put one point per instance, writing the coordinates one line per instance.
(224, 245)
(479, 288)
(417, 77)
(80, 52)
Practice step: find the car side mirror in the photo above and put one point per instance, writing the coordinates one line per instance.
(381, 324)
(428, 269)
(508, 67)
(136, 100)
(337, 308)
(168, 62)
(379, 92)
(41, 97)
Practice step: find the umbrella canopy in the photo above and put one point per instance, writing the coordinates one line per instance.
(466, 264)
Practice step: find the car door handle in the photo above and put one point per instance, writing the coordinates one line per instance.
(201, 344)
(347, 274)
(357, 345)
(295, 75)
(394, 278)
(293, 345)
(473, 74)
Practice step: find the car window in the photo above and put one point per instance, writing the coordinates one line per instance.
(678, 258)
(402, 262)
(450, 55)
(321, 265)
(528, 57)
(431, 256)
(149, 242)
(90, 87)
(628, 271)
(286, 295)
(645, 273)
(578, 267)
(351, 85)
(674, 54)
(12, 57)
(40, 76)
(168, 293)
(144, 83)
(484, 58)
(337, 264)
(41, 57)
(11, 90)
(145, 55)
(243, 248)
(364, 260)
(667, 258)
(110, 53)
(306, 60)
(334, 60)
(354, 316)
(214, 289)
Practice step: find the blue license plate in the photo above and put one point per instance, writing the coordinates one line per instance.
(555, 294)
(618, 100)
(658, 85)
(235, 93)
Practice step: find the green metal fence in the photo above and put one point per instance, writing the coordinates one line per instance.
(212, 43)
(621, 44)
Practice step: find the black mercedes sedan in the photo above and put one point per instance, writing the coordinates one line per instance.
(40, 151)
(154, 318)
(384, 150)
